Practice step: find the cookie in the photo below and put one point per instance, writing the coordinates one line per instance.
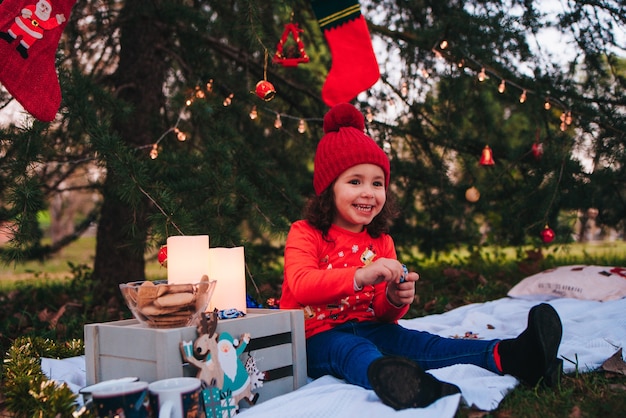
(174, 299)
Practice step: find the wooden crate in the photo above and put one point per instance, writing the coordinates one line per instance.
(126, 348)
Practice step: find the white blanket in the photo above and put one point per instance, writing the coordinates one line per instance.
(592, 332)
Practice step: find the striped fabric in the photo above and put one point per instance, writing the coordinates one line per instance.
(333, 13)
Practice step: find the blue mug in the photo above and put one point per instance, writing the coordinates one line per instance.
(128, 399)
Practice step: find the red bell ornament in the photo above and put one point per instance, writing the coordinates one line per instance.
(265, 90)
(547, 234)
(487, 156)
(162, 256)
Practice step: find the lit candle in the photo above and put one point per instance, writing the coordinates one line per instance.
(187, 258)
(227, 266)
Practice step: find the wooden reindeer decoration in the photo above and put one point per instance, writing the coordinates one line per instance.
(209, 370)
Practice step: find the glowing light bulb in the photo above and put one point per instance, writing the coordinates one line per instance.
(301, 126)
(546, 104)
(188, 102)
(522, 97)
(228, 100)
(369, 116)
(253, 113)
(209, 86)
(443, 44)
(154, 152)
(180, 135)
(568, 117)
(502, 86)
(482, 75)
(278, 123)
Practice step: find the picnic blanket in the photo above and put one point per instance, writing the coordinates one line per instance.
(592, 332)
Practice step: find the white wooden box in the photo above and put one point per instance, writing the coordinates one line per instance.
(126, 348)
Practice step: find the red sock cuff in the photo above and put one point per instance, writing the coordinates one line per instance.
(496, 356)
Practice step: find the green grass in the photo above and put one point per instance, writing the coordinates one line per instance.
(80, 252)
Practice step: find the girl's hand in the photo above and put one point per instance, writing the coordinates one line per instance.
(381, 270)
(402, 293)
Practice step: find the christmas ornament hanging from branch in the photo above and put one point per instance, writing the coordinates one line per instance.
(294, 54)
(486, 157)
(537, 148)
(264, 89)
(547, 234)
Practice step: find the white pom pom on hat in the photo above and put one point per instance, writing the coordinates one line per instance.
(345, 145)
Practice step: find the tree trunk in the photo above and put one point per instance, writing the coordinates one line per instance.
(139, 78)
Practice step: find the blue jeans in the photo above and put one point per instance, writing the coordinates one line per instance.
(347, 350)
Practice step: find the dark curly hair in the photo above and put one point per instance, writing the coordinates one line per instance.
(320, 211)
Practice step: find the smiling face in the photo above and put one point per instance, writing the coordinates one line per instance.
(359, 194)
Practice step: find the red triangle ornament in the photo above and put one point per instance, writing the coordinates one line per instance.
(291, 57)
(29, 35)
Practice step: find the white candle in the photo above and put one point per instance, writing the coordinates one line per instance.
(227, 266)
(187, 258)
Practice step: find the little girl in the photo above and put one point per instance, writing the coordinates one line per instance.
(341, 269)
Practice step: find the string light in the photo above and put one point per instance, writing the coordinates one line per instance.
(180, 135)
(522, 97)
(278, 123)
(546, 104)
(482, 75)
(228, 100)
(199, 93)
(154, 152)
(502, 86)
(369, 116)
(443, 44)
(404, 89)
(253, 113)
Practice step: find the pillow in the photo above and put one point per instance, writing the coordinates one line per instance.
(600, 283)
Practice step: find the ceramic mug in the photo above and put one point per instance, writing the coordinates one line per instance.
(128, 399)
(178, 397)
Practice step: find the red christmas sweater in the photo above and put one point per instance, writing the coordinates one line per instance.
(319, 277)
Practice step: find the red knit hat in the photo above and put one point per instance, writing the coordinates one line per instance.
(345, 145)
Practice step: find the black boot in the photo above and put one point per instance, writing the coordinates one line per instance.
(401, 383)
(532, 356)
(7, 37)
(22, 50)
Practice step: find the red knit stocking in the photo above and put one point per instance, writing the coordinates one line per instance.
(354, 67)
(29, 35)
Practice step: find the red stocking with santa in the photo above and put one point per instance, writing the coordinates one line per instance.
(29, 35)
(354, 67)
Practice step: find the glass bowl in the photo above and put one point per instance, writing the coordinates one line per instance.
(158, 304)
